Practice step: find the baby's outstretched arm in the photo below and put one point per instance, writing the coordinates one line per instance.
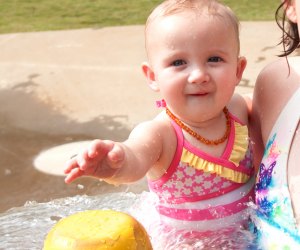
(116, 162)
(100, 159)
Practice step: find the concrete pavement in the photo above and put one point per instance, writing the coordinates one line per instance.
(81, 75)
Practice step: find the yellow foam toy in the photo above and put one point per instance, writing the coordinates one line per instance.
(98, 230)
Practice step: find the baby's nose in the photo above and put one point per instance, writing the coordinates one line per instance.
(198, 75)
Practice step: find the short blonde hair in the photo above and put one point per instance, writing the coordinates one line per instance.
(211, 7)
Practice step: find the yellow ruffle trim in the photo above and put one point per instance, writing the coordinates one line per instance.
(238, 153)
(240, 145)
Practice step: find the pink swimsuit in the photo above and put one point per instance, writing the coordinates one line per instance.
(204, 193)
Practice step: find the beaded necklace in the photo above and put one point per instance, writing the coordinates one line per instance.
(199, 137)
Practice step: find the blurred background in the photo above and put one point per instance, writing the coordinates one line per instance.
(42, 15)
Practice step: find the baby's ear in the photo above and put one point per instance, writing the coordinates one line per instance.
(150, 76)
(242, 63)
(291, 11)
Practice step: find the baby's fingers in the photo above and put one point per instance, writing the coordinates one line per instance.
(116, 156)
(83, 160)
(99, 149)
(71, 164)
(77, 161)
(73, 174)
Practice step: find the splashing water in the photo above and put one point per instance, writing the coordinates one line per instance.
(26, 227)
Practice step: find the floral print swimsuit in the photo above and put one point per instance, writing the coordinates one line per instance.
(206, 193)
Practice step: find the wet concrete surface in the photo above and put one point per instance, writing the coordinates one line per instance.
(64, 86)
(21, 182)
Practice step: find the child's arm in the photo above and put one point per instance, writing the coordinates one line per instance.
(119, 162)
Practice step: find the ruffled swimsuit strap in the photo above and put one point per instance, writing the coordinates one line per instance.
(230, 164)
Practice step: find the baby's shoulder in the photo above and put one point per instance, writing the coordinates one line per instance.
(159, 126)
(238, 107)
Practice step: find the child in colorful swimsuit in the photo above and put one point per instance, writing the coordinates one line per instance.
(196, 153)
(276, 116)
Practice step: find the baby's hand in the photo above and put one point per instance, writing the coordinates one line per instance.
(101, 159)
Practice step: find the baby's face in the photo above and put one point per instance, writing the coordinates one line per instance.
(195, 62)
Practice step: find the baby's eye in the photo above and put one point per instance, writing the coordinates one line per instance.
(215, 59)
(177, 63)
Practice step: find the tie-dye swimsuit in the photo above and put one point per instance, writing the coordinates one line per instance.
(275, 222)
(205, 193)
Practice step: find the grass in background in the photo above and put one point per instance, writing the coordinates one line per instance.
(41, 15)
(254, 10)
